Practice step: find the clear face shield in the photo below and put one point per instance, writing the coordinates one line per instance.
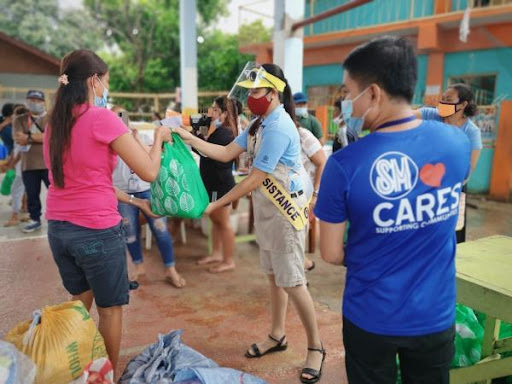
(254, 76)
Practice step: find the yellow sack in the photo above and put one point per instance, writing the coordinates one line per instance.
(61, 340)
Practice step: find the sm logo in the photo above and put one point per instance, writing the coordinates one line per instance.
(393, 175)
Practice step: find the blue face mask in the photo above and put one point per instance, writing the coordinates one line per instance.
(218, 124)
(101, 101)
(355, 124)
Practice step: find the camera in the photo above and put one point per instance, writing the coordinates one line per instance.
(200, 123)
(200, 120)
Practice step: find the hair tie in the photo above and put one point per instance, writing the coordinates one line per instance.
(63, 79)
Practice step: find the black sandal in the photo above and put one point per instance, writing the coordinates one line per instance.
(313, 372)
(280, 346)
(312, 267)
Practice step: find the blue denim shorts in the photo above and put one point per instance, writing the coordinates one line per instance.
(91, 259)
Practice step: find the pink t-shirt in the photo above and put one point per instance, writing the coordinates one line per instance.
(88, 198)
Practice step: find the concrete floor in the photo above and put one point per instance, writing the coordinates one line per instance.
(221, 314)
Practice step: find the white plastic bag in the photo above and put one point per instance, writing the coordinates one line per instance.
(15, 367)
(100, 371)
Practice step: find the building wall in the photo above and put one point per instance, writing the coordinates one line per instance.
(332, 74)
(373, 13)
(489, 61)
(16, 60)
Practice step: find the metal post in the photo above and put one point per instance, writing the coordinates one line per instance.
(188, 56)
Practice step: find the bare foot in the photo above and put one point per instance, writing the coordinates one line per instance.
(174, 278)
(210, 259)
(222, 267)
(140, 272)
(14, 220)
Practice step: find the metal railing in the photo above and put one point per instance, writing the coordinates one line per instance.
(460, 5)
(139, 105)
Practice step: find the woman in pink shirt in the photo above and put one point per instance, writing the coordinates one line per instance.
(85, 232)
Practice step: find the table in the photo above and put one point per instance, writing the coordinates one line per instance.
(484, 283)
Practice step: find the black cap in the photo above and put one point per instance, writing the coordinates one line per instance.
(34, 94)
(7, 109)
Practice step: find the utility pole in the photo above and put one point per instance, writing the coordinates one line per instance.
(188, 56)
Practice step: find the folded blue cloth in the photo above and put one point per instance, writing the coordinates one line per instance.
(169, 361)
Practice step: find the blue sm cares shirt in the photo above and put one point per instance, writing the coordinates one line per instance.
(400, 191)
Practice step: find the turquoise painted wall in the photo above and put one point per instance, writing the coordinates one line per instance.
(489, 61)
(459, 5)
(373, 13)
(332, 74)
(315, 75)
(422, 80)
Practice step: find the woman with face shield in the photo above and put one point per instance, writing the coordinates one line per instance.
(279, 196)
(218, 179)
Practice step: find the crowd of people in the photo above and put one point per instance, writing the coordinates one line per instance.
(398, 200)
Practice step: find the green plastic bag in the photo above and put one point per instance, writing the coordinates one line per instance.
(178, 190)
(9, 177)
(469, 335)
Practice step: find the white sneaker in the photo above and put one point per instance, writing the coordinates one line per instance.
(31, 226)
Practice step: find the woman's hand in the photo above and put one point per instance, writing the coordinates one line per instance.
(186, 136)
(209, 209)
(145, 206)
(164, 133)
(311, 208)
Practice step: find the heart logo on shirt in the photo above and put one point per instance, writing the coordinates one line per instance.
(432, 174)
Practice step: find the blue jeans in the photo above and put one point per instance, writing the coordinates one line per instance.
(158, 227)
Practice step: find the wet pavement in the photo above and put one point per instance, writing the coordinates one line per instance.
(222, 315)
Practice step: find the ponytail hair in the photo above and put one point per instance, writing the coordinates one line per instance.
(465, 94)
(229, 106)
(285, 97)
(78, 66)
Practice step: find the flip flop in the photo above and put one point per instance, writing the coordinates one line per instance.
(312, 266)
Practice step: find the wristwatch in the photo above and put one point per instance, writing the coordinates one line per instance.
(131, 199)
(29, 139)
(315, 193)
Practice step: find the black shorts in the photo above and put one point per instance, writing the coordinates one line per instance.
(91, 259)
(371, 358)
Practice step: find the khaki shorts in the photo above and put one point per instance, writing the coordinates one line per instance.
(287, 268)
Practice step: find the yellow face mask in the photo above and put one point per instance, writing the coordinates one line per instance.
(447, 109)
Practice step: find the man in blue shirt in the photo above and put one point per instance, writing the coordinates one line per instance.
(401, 199)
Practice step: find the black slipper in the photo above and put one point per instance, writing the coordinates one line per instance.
(312, 266)
(280, 346)
(313, 372)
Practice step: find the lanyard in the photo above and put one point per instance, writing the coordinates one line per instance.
(396, 122)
